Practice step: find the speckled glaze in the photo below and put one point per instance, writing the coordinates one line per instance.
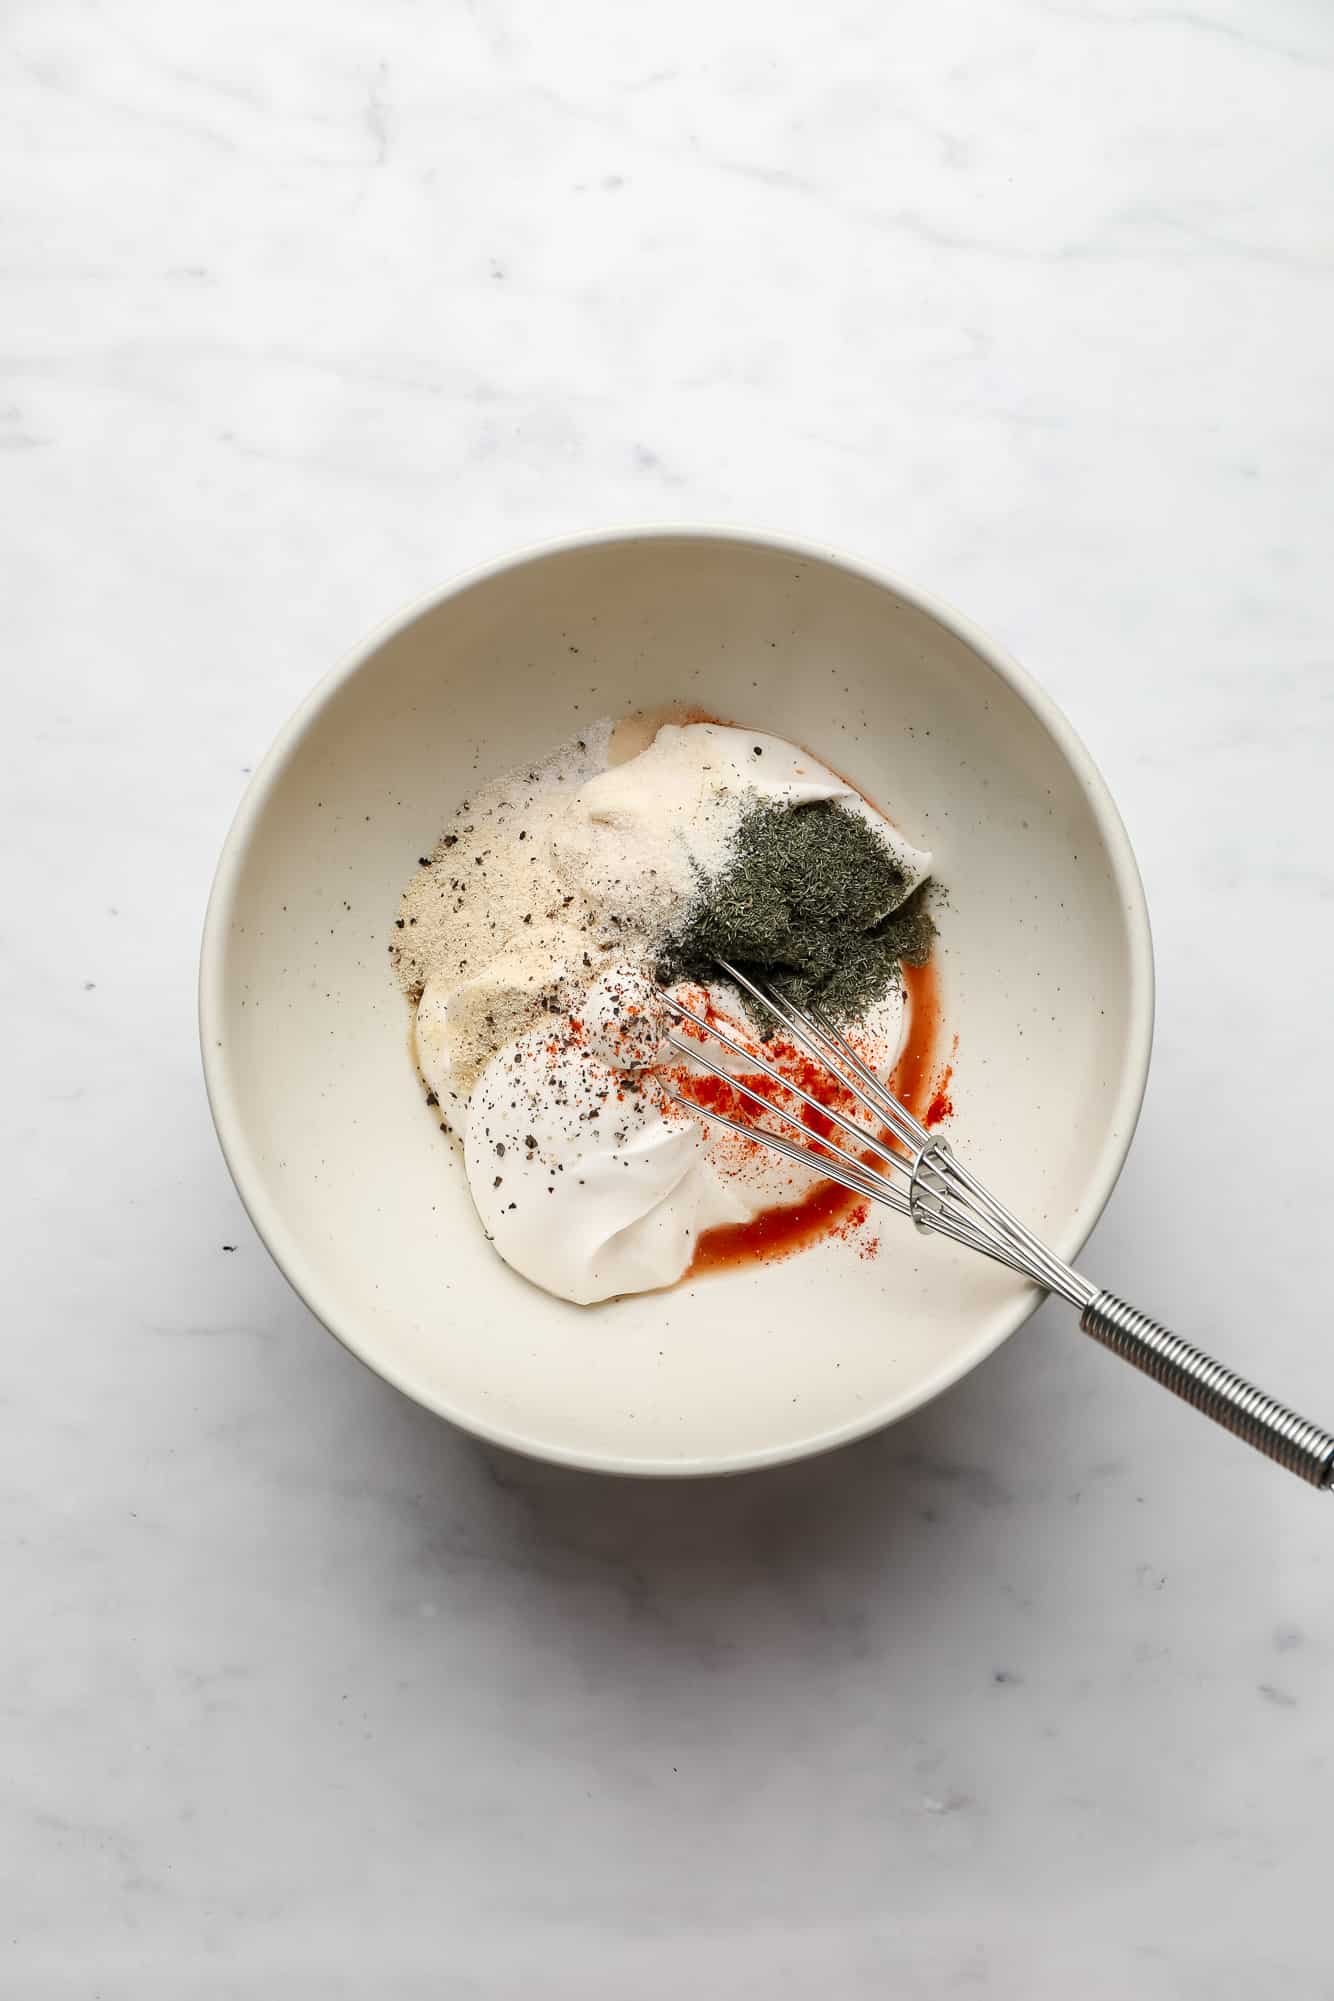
(1045, 961)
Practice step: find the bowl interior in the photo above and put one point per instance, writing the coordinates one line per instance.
(1045, 973)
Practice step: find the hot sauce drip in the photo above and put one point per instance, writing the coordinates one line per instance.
(826, 1210)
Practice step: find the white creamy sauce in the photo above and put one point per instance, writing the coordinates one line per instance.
(550, 1038)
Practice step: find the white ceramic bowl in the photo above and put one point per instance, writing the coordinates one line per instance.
(1046, 968)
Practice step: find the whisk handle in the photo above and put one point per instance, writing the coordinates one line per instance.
(1228, 1399)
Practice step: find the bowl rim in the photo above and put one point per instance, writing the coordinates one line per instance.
(246, 1174)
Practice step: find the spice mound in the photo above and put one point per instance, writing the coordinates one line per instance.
(813, 900)
(532, 942)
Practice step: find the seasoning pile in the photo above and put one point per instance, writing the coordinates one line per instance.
(531, 942)
(811, 898)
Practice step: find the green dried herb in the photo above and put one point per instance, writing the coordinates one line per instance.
(803, 903)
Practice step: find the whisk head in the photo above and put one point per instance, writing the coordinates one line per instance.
(893, 1161)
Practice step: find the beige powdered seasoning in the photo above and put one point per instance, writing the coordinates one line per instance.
(486, 914)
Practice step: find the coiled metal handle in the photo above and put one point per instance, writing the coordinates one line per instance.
(1229, 1399)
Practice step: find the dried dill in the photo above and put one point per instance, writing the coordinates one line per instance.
(804, 902)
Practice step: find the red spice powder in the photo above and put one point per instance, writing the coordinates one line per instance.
(942, 1105)
(827, 1210)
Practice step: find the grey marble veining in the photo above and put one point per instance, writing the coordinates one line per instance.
(307, 308)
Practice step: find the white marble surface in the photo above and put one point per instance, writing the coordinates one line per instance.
(305, 308)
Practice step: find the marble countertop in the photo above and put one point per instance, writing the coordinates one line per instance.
(307, 308)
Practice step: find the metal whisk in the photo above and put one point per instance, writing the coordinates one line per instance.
(918, 1175)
